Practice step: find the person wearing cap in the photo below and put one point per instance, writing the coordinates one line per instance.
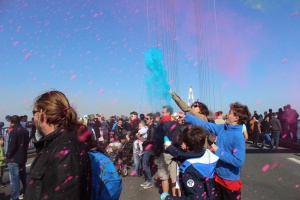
(16, 156)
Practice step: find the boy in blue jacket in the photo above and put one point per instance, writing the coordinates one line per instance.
(230, 148)
(197, 165)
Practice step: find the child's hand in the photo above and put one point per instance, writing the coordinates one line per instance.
(163, 195)
(214, 148)
(167, 142)
(183, 146)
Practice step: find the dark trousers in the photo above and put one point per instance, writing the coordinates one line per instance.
(223, 193)
(1, 173)
(293, 129)
(146, 167)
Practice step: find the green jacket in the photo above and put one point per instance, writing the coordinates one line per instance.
(2, 157)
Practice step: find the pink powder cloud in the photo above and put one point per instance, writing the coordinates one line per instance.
(284, 60)
(235, 44)
(27, 56)
(73, 77)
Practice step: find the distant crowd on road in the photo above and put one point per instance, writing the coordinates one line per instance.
(196, 157)
(274, 126)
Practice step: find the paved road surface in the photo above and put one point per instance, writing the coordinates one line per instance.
(266, 175)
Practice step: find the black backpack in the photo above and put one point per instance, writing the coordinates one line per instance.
(173, 130)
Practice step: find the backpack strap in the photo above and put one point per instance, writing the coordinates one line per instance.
(184, 166)
(102, 171)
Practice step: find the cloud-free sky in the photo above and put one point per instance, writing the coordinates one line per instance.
(94, 52)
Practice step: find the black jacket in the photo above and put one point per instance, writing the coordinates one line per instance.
(265, 127)
(61, 168)
(173, 130)
(150, 135)
(134, 129)
(121, 132)
(17, 145)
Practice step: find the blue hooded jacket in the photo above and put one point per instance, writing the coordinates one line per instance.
(231, 147)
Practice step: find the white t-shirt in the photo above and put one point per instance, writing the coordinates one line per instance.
(244, 128)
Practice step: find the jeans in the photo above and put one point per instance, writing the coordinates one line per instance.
(275, 138)
(266, 136)
(17, 172)
(136, 159)
(145, 161)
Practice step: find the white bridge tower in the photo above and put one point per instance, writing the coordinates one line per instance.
(191, 96)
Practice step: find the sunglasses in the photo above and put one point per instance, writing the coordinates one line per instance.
(34, 111)
(196, 106)
(147, 118)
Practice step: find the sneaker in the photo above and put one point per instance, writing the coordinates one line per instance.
(149, 185)
(144, 184)
(21, 196)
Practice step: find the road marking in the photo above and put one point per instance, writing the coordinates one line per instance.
(294, 160)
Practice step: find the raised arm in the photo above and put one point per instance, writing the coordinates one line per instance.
(181, 104)
(211, 127)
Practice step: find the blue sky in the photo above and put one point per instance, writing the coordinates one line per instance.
(94, 52)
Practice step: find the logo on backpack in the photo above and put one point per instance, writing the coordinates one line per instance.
(190, 183)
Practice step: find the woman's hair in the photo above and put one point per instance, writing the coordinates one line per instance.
(203, 108)
(240, 111)
(194, 137)
(57, 109)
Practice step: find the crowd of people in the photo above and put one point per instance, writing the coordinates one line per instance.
(191, 162)
(274, 126)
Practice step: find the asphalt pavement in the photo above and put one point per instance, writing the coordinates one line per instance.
(266, 175)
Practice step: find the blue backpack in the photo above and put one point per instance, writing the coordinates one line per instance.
(106, 182)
